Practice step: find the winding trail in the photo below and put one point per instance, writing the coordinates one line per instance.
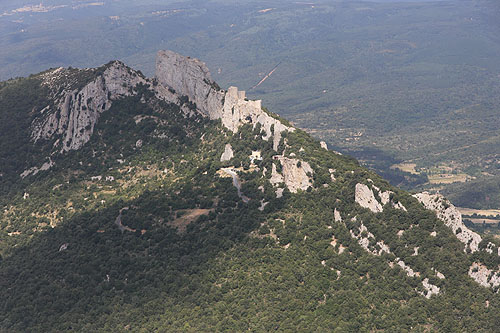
(118, 222)
(236, 183)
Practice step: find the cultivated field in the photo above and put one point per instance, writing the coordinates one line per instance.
(484, 212)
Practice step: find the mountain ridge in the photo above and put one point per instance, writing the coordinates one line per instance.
(152, 192)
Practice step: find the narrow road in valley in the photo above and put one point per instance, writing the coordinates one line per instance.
(266, 77)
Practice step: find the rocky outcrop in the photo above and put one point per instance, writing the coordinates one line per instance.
(276, 178)
(452, 218)
(337, 216)
(408, 270)
(430, 289)
(385, 198)
(296, 174)
(364, 196)
(368, 242)
(227, 154)
(239, 110)
(71, 119)
(484, 276)
(332, 174)
(75, 112)
(255, 156)
(438, 274)
(190, 77)
(34, 170)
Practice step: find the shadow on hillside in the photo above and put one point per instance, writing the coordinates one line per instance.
(46, 287)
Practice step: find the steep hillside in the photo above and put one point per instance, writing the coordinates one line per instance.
(409, 88)
(170, 204)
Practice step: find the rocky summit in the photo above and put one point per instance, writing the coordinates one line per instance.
(170, 204)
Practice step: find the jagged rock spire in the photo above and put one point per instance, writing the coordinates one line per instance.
(190, 77)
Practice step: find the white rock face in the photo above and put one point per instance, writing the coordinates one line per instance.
(430, 288)
(227, 154)
(256, 156)
(76, 112)
(337, 216)
(385, 198)
(484, 276)
(190, 77)
(409, 271)
(332, 174)
(34, 170)
(452, 218)
(276, 177)
(295, 177)
(364, 241)
(323, 145)
(365, 198)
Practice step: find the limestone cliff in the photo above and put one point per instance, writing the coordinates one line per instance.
(75, 112)
(365, 197)
(296, 174)
(190, 77)
(484, 276)
(452, 218)
(227, 154)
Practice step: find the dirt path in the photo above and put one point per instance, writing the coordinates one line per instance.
(236, 183)
(189, 216)
(118, 222)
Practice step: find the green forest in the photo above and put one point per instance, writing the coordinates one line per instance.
(103, 242)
